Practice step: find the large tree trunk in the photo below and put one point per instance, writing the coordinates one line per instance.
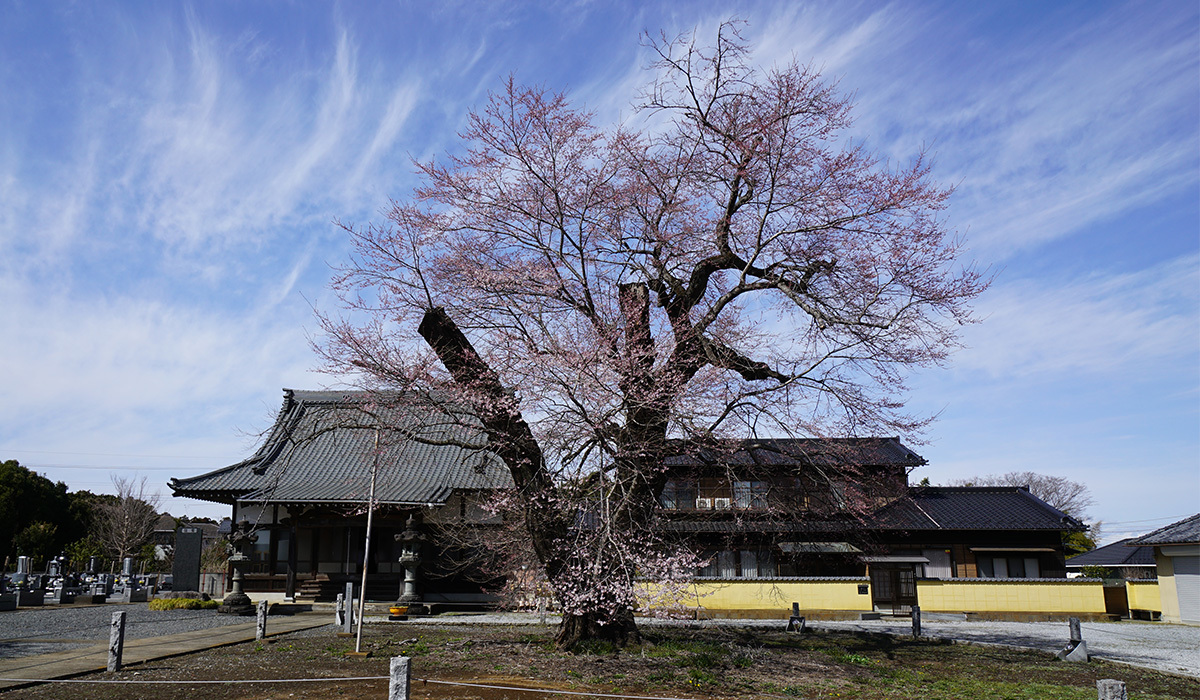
(515, 443)
(620, 630)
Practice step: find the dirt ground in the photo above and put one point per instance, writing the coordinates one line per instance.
(673, 663)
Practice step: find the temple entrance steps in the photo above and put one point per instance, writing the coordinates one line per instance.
(325, 590)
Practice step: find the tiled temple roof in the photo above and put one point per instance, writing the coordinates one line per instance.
(322, 449)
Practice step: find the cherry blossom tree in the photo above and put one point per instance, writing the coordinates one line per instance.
(598, 296)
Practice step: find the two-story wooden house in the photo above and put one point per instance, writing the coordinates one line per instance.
(843, 508)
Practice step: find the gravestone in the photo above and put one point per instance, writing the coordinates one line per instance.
(185, 571)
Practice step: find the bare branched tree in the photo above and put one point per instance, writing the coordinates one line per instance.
(601, 297)
(127, 523)
(1071, 497)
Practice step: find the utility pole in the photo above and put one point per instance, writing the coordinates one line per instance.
(362, 595)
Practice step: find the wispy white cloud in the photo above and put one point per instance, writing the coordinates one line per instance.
(112, 354)
(206, 147)
(1052, 131)
(1100, 324)
(401, 105)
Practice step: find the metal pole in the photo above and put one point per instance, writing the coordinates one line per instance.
(362, 596)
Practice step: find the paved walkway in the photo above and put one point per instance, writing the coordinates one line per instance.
(64, 664)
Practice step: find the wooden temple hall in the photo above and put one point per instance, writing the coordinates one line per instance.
(305, 493)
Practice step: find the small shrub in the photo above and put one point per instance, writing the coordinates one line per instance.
(848, 658)
(699, 677)
(1096, 572)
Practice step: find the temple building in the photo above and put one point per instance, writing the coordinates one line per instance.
(305, 493)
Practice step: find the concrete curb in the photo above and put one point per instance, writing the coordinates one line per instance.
(76, 662)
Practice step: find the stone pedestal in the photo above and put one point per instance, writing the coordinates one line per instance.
(237, 602)
(410, 558)
(26, 598)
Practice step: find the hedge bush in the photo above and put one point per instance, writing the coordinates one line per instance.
(183, 604)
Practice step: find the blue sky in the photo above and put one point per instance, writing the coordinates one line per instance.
(169, 175)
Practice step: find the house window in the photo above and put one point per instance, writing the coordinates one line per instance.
(283, 543)
(678, 494)
(727, 564)
(757, 563)
(1009, 567)
(260, 553)
(750, 494)
(738, 563)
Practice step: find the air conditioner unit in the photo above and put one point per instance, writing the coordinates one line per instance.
(722, 503)
(704, 504)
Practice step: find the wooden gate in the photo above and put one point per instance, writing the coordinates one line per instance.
(894, 587)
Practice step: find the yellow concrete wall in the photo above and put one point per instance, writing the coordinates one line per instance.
(1167, 594)
(952, 595)
(1143, 595)
(1011, 596)
(777, 595)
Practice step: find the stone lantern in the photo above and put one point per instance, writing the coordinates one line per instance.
(410, 558)
(240, 540)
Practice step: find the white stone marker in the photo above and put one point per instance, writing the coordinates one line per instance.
(1109, 689)
(400, 678)
(260, 630)
(116, 641)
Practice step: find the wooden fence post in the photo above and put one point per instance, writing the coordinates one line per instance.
(916, 620)
(116, 641)
(400, 678)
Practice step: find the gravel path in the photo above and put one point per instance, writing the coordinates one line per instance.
(1173, 648)
(23, 631)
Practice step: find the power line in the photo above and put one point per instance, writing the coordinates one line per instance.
(107, 454)
(1148, 520)
(99, 466)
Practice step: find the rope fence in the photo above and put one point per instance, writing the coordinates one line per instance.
(135, 681)
(392, 679)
